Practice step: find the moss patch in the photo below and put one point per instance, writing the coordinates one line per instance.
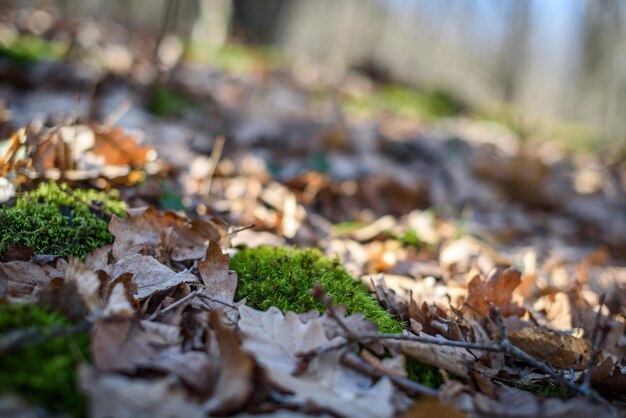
(45, 373)
(423, 373)
(283, 277)
(54, 219)
(29, 48)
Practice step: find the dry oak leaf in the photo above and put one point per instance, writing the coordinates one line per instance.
(236, 379)
(558, 350)
(121, 397)
(497, 289)
(275, 340)
(120, 344)
(24, 280)
(117, 147)
(455, 360)
(147, 230)
(87, 284)
(219, 281)
(193, 368)
(149, 275)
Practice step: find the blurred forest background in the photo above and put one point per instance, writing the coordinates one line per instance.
(561, 60)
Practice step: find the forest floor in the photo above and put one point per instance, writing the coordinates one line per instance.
(499, 256)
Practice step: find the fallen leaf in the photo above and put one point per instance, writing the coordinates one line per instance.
(149, 231)
(149, 275)
(122, 397)
(87, 284)
(120, 344)
(275, 340)
(497, 289)
(24, 280)
(455, 360)
(236, 379)
(220, 283)
(558, 350)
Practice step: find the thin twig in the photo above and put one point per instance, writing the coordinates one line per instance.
(207, 297)
(320, 295)
(24, 337)
(216, 153)
(596, 344)
(159, 312)
(410, 387)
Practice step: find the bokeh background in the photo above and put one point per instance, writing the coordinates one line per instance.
(560, 65)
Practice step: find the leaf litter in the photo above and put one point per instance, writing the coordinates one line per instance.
(507, 283)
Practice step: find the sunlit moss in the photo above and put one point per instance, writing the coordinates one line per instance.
(233, 57)
(44, 374)
(406, 102)
(55, 219)
(28, 48)
(283, 277)
(167, 102)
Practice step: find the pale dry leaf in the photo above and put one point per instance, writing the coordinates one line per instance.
(275, 340)
(118, 305)
(98, 259)
(192, 367)
(220, 283)
(455, 360)
(559, 350)
(87, 284)
(236, 378)
(149, 275)
(119, 344)
(121, 397)
(147, 230)
(24, 280)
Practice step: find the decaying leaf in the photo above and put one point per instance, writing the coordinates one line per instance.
(121, 397)
(24, 280)
(87, 284)
(149, 231)
(562, 351)
(275, 340)
(220, 283)
(497, 289)
(236, 379)
(120, 344)
(149, 275)
(452, 359)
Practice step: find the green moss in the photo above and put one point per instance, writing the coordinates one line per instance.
(406, 102)
(283, 277)
(56, 220)
(545, 389)
(423, 373)
(167, 102)
(233, 57)
(28, 48)
(45, 373)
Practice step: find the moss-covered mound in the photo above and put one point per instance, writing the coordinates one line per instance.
(283, 277)
(55, 219)
(44, 374)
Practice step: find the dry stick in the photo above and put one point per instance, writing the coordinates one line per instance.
(504, 345)
(33, 336)
(596, 343)
(216, 153)
(412, 388)
(221, 302)
(159, 312)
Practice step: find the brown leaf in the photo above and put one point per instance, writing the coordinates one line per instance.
(559, 350)
(122, 397)
(275, 340)
(116, 147)
(24, 280)
(149, 275)
(236, 379)
(452, 359)
(497, 289)
(220, 283)
(152, 232)
(120, 344)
